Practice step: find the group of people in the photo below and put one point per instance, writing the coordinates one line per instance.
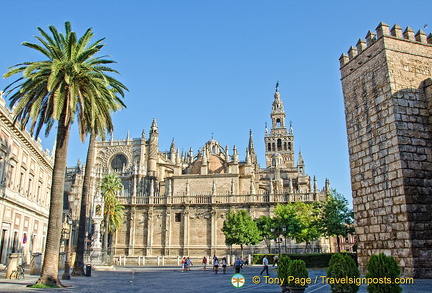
(186, 264)
(238, 264)
(217, 263)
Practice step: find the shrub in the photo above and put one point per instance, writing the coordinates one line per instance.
(297, 269)
(283, 265)
(386, 269)
(343, 266)
(312, 260)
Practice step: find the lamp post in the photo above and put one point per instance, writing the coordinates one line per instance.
(277, 232)
(66, 273)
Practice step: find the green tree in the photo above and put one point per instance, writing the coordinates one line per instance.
(113, 210)
(265, 224)
(239, 228)
(287, 220)
(335, 217)
(308, 215)
(71, 83)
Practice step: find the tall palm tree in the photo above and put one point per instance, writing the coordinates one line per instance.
(72, 83)
(113, 210)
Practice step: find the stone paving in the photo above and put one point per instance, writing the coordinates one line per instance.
(171, 279)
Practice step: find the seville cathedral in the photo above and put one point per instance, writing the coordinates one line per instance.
(175, 203)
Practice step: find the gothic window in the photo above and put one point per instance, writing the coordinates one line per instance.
(279, 144)
(118, 163)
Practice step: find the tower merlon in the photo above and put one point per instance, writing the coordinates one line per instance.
(383, 31)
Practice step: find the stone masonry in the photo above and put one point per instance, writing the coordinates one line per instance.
(386, 82)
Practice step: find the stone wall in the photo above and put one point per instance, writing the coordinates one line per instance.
(389, 140)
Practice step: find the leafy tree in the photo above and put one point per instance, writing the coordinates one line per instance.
(265, 224)
(239, 228)
(286, 218)
(113, 210)
(308, 215)
(335, 219)
(71, 83)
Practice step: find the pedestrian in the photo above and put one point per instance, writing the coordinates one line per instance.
(237, 265)
(188, 263)
(216, 265)
(275, 260)
(224, 265)
(204, 263)
(265, 266)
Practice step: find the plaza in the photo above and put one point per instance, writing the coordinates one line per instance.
(172, 279)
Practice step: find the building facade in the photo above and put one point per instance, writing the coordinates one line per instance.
(386, 82)
(175, 203)
(25, 183)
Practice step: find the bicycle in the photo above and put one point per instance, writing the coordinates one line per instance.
(18, 273)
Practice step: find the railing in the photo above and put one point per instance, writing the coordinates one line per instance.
(218, 199)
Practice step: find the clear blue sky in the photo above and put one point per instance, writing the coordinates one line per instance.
(202, 67)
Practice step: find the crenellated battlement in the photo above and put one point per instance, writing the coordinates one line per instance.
(383, 31)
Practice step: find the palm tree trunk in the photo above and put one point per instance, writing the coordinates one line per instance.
(78, 268)
(49, 274)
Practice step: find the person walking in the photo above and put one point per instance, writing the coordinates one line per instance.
(183, 264)
(275, 260)
(204, 263)
(224, 265)
(265, 266)
(188, 263)
(216, 265)
(237, 265)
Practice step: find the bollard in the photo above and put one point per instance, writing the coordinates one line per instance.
(88, 271)
(36, 263)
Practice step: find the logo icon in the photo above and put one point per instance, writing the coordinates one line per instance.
(238, 280)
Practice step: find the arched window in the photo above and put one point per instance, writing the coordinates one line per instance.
(285, 146)
(279, 144)
(273, 147)
(278, 122)
(289, 145)
(269, 147)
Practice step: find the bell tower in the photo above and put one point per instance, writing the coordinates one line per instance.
(279, 140)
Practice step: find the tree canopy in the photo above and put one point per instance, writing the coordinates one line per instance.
(239, 228)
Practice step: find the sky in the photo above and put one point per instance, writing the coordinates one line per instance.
(209, 68)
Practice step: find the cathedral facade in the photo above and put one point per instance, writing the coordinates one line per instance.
(175, 203)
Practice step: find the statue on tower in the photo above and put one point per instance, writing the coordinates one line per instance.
(277, 86)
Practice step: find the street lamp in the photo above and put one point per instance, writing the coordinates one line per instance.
(66, 273)
(277, 231)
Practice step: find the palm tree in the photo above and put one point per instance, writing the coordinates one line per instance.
(70, 84)
(113, 210)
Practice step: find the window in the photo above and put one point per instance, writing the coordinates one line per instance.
(177, 217)
(279, 144)
(118, 163)
(278, 122)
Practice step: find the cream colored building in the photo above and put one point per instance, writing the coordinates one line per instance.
(25, 179)
(175, 203)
